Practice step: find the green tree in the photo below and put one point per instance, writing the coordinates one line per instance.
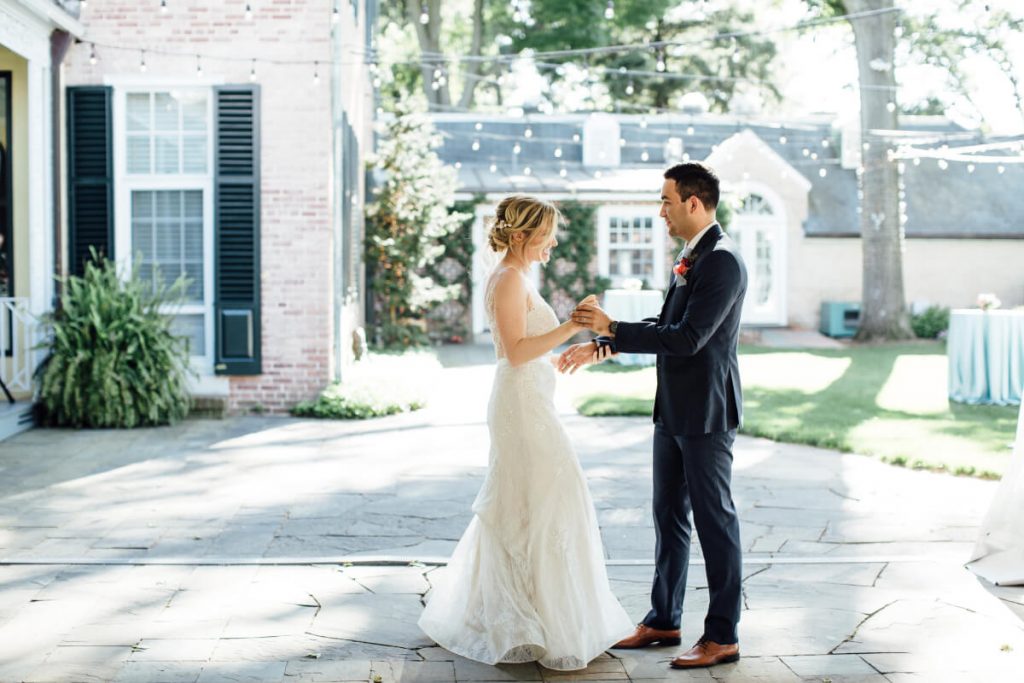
(406, 224)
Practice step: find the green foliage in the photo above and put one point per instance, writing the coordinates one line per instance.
(406, 226)
(931, 322)
(113, 360)
(454, 268)
(568, 278)
(380, 384)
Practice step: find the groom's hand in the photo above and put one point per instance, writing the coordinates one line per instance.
(592, 317)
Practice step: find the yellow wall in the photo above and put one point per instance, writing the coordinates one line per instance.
(18, 67)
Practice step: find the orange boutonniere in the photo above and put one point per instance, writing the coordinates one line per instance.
(682, 267)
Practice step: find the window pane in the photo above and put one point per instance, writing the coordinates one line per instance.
(172, 242)
(193, 112)
(138, 112)
(138, 154)
(192, 327)
(167, 154)
(193, 154)
(165, 112)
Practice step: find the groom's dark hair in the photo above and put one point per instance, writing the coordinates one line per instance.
(694, 178)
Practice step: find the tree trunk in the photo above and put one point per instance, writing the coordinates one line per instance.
(883, 304)
(429, 37)
(472, 67)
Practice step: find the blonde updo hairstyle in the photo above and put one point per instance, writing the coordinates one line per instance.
(519, 213)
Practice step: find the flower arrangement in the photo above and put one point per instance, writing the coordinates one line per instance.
(988, 301)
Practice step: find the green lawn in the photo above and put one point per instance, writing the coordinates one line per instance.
(885, 400)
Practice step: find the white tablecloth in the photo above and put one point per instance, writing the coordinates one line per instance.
(632, 305)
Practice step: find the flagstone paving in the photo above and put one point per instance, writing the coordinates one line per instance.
(269, 549)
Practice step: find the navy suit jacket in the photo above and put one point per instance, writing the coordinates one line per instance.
(696, 338)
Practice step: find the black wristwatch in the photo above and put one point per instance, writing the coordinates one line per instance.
(612, 326)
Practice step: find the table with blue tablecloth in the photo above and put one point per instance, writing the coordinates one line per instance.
(986, 356)
(632, 305)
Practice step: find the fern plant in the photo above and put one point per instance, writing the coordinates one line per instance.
(113, 359)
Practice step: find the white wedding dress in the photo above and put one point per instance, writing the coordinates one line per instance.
(527, 581)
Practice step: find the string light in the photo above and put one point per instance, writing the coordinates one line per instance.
(609, 10)
(782, 139)
(660, 65)
(890, 107)
(476, 145)
(92, 53)
(424, 14)
(558, 152)
(335, 14)
(248, 11)
(527, 171)
(822, 172)
(689, 130)
(943, 164)
(493, 168)
(163, 6)
(644, 156)
(562, 172)
(479, 126)
(629, 87)
(528, 133)
(1001, 169)
(516, 149)
(970, 168)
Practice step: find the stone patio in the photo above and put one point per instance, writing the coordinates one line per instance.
(260, 549)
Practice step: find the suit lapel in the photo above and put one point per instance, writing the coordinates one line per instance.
(706, 244)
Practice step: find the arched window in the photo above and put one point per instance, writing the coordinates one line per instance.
(755, 205)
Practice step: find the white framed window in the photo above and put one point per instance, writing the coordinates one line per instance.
(163, 169)
(631, 244)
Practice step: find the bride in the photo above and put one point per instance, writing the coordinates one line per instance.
(527, 581)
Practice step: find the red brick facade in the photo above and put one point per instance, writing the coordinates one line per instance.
(299, 324)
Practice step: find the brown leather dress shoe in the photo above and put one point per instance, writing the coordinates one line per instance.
(706, 653)
(645, 635)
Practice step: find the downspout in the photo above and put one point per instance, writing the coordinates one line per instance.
(59, 43)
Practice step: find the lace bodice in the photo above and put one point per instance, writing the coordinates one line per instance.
(540, 317)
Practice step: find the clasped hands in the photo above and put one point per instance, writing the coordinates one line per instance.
(586, 315)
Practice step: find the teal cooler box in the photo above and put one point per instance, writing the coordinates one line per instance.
(839, 318)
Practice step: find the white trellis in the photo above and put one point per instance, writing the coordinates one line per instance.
(17, 332)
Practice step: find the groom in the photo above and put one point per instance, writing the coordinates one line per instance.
(697, 410)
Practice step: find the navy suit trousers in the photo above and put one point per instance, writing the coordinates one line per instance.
(695, 473)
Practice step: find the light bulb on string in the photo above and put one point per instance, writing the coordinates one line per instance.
(825, 143)
(92, 54)
(609, 10)
(822, 172)
(163, 6)
(689, 130)
(917, 161)
(248, 11)
(575, 137)
(424, 14)
(478, 126)
(782, 139)
(516, 149)
(890, 107)
(527, 171)
(458, 165)
(528, 133)
(562, 172)
(1001, 169)
(806, 152)
(476, 145)
(943, 164)
(335, 14)
(629, 88)
(970, 168)
(493, 168)
(866, 146)
(622, 142)
(558, 152)
(814, 156)
(643, 122)
(644, 156)
(597, 174)
(142, 61)
(660, 65)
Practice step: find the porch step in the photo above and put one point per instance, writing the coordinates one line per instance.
(15, 418)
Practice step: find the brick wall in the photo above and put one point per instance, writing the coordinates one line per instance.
(297, 243)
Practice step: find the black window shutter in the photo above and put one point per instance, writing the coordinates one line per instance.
(237, 230)
(90, 175)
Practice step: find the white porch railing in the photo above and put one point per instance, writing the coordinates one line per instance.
(17, 335)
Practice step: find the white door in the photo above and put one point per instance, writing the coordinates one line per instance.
(759, 230)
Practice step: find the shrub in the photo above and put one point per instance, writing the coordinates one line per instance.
(931, 322)
(113, 360)
(381, 384)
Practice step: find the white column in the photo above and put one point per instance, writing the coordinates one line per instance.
(40, 208)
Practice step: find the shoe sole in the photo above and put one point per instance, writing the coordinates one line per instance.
(664, 642)
(725, 660)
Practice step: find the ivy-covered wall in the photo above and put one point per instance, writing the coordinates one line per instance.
(569, 277)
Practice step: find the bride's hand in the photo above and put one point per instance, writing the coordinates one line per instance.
(590, 299)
